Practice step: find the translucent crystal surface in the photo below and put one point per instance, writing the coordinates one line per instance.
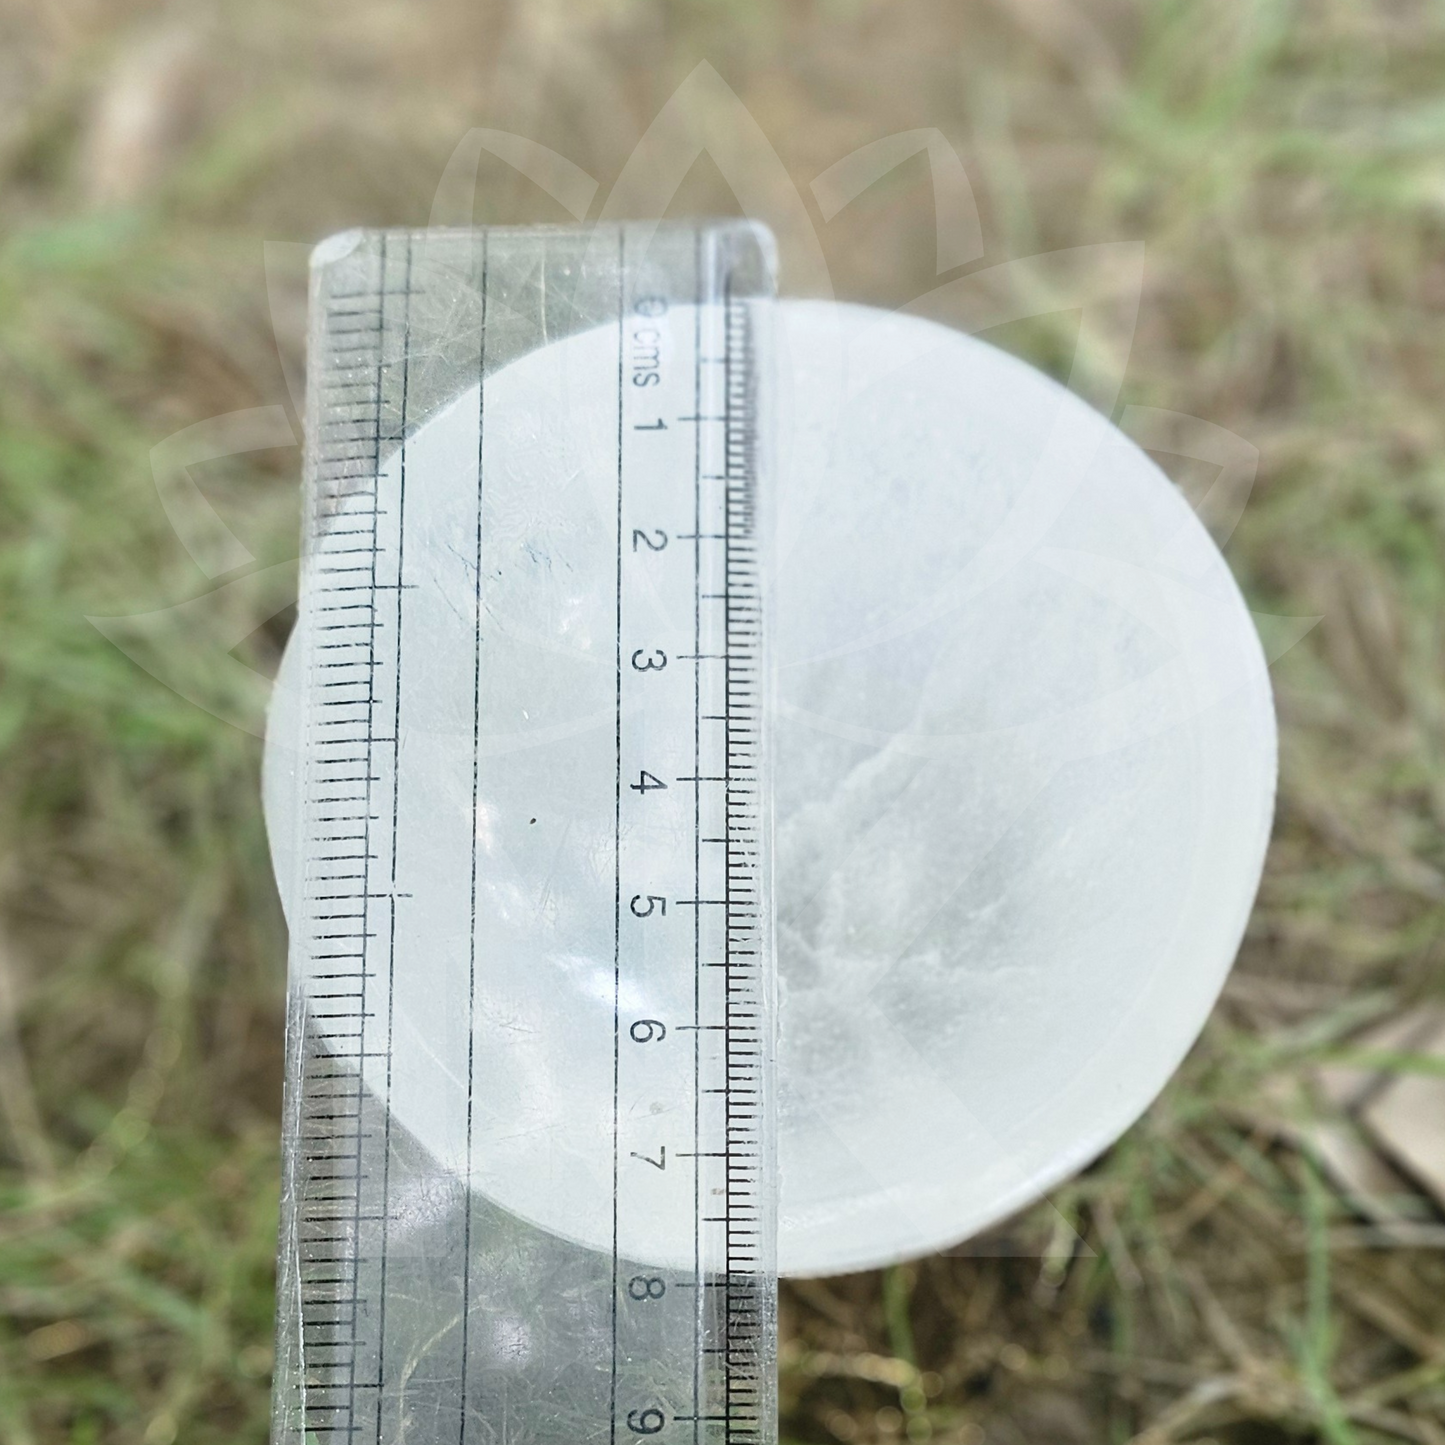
(1024, 781)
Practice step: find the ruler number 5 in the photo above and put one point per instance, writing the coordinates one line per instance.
(654, 903)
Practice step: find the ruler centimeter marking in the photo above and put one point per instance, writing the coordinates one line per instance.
(395, 808)
(343, 1213)
(701, 1299)
(617, 849)
(728, 1323)
(716, 607)
(745, 1397)
(352, 877)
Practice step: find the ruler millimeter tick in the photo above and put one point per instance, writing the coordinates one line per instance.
(530, 1179)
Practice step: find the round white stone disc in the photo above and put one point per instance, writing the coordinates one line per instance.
(1025, 773)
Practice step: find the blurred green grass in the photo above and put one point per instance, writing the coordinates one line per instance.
(1282, 163)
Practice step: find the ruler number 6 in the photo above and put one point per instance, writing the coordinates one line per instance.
(648, 1031)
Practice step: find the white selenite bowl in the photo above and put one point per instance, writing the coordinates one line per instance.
(1025, 770)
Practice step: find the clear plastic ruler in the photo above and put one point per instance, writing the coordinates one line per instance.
(530, 1176)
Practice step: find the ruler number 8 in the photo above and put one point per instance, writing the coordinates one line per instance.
(644, 1287)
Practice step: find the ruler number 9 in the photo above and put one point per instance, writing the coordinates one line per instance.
(646, 1422)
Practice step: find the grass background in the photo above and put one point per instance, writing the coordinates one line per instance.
(1285, 166)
